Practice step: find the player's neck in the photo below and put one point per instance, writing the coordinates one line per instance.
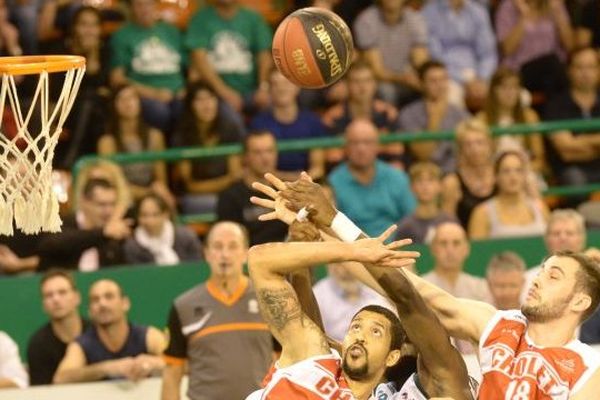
(362, 389)
(556, 333)
(68, 328)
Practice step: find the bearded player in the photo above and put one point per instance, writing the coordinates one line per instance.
(307, 367)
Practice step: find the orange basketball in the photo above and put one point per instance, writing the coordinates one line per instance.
(312, 47)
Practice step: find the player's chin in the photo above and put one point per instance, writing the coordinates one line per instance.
(356, 368)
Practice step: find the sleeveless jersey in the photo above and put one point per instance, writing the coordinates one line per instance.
(316, 378)
(410, 390)
(514, 368)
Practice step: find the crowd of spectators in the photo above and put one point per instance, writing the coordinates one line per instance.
(420, 66)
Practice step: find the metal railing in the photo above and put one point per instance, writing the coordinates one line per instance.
(189, 153)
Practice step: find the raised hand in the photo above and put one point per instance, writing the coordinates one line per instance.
(304, 232)
(375, 251)
(274, 201)
(305, 193)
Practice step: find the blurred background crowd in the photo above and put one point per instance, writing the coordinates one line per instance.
(168, 74)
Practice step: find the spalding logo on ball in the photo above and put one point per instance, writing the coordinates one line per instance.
(312, 47)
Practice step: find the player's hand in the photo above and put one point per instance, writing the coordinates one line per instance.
(305, 193)
(375, 251)
(304, 232)
(274, 201)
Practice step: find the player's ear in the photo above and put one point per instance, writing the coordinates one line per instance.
(392, 358)
(581, 302)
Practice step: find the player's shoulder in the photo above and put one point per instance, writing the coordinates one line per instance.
(589, 356)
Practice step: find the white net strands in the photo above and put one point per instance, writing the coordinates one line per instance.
(26, 194)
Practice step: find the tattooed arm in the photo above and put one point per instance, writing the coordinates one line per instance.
(269, 263)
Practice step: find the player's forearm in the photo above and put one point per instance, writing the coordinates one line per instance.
(285, 258)
(302, 283)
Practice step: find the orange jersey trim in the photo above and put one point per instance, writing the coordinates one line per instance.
(236, 326)
(170, 360)
(215, 292)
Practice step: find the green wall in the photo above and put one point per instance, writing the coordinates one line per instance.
(152, 289)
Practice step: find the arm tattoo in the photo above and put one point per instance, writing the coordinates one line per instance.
(279, 306)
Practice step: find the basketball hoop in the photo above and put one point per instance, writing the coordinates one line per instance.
(26, 194)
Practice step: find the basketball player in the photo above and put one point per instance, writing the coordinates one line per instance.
(307, 367)
(531, 353)
(441, 369)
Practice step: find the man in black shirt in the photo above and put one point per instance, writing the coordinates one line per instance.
(112, 348)
(47, 346)
(260, 157)
(575, 156)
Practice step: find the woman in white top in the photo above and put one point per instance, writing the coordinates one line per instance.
(512, 211)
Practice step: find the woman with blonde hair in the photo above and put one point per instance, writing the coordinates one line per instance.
(109, 171)
(512, 211)
(473, 181)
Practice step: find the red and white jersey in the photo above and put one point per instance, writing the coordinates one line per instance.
(316, 378)
(514, 368)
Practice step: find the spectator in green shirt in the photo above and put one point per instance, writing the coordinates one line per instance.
(149, 55)
(231, 50)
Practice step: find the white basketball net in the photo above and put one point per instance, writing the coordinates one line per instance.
(26, 193)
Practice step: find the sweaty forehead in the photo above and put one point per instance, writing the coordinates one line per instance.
(565, 264)
(371, 317)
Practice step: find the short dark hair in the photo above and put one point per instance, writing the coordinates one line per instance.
(58, 273)
(254, 134)
(428, 65)
(90, 185)
(398, 335)
(587, 279)
(162, 204)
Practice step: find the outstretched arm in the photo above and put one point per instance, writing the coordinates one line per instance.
(442, 370)
(462, 318)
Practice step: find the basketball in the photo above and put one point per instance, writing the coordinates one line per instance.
(312, 47)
